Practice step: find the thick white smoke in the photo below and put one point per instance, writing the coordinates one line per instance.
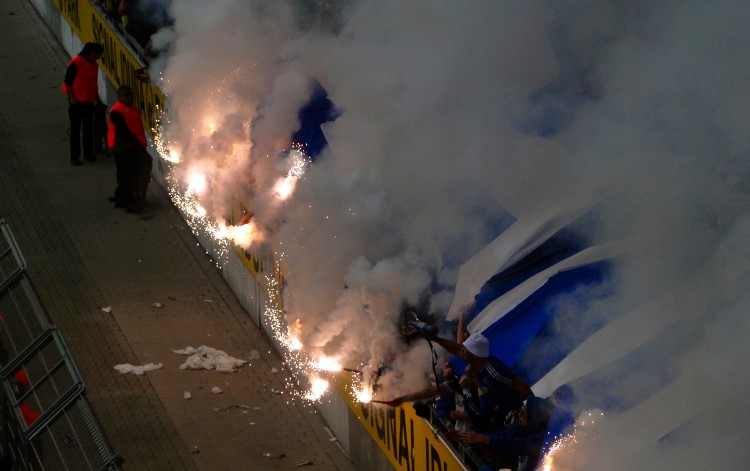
(458, 114)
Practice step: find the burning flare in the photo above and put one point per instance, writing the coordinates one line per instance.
(318, 387)
(363, 395)
(284, 187)
(197, 183)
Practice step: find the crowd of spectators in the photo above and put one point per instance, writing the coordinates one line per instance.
(141, 19)
(486, 408)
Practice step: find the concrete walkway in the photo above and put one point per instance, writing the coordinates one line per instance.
(84, 255)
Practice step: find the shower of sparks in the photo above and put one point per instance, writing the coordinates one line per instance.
(185, 190)
(565, 443)
(166, 149)
(296, 358)
(197, 217)
(199, 220)
(558, 445)
(285, 186)
(294, 343)
(171, 155)
(363, 395)
(318, 387)
(359, 388)
(291, 339)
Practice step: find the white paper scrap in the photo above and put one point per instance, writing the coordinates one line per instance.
(138, 370)
(207, 358)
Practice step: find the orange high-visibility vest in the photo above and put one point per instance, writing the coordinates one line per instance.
(132, 119)
(85, 85)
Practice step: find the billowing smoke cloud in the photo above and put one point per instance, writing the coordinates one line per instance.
(457, 118)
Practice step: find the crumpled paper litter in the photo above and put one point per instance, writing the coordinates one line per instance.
(207, 358)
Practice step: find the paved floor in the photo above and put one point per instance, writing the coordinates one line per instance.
(83, 255)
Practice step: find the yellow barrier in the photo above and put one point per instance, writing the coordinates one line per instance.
(406, 439)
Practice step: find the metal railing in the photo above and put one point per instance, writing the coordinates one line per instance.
(441, 426)
(48, 423)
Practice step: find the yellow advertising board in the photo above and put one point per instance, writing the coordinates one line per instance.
(406, 439)
(119, 63)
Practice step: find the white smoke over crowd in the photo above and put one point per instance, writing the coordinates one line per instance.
(457, 115)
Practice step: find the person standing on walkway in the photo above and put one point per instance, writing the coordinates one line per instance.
(127, 139)
(81, 86)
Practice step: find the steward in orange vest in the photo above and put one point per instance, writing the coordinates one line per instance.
(127, 139)
(81, 87)
(125, 131)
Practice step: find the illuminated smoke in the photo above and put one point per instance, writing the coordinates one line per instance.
(456, 116)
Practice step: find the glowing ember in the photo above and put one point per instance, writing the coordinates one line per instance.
(200, 210)
(284, 188)
(242, 235)
(197, 183)
(364, 395)
(318, 387)
(559, 444)
(547, 465)
(165, 148)
(171, 156)
(327, 364)
(295, 344)
(564, 444)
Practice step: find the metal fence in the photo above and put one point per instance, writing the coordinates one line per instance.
(46, 421)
